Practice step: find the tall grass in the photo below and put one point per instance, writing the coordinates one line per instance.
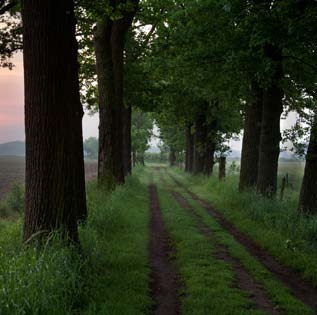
(115, 241)
(109, 275)
(272, 213)
(37, 281)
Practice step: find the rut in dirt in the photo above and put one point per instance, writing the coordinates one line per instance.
(165, 284)
(244, 280)
(301, 289)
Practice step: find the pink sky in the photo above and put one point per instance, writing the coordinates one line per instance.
(12, 105)
(11, 102)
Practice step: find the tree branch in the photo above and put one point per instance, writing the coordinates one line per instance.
(7, 7)
(302, 61)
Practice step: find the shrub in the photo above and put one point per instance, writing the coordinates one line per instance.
(13, 203)
(15, 198)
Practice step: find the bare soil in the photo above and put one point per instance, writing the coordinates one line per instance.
(12, 170)
(301, 289)
(165, 283)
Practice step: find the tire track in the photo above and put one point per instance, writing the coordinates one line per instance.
(244, 280)
(165, 284)
(301, 289)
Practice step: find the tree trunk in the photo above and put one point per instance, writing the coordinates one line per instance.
(200, 141)
(134, 157)
(110, 165)
(55, 182)
(222, 167)
(251, 140)
(109, 43)
(205, 146)
(210, 147)
(172, 157)
(189, 157)
(209, 158)
(269, 149)
(308, 194)
(126, 144)
(142, 159)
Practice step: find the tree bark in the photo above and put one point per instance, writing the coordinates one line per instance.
(109, 41)
(269, 149)
(110, 166)
(199, 148)
(134, 157)
(189, 157)
(126, 143)
(251, 140)
(209, 158)
(222, 167)
(172, 157)
(308, 193)
(204, 146)
(54, 183)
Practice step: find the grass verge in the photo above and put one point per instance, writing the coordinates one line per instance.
(110, 276)
(275, 225)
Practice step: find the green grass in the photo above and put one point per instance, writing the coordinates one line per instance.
(277, 292)
(116, 241)
(36, 281)
(274, 224)
(208, 282)
(109, 276)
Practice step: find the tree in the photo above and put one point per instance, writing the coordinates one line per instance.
(10, 31)
(6, 6)
(109, 41)
(55, 182)
(172, 135)
(189, 159)
(308, 193)
(142, 126)
(132, 83)
(251, 140)
(270, 135)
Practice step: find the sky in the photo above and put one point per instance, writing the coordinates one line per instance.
(12, 108)
(12, 105)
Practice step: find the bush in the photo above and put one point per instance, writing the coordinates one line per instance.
(15, 199)
(13, 203)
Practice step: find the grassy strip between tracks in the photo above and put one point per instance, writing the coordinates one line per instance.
(273, 224)
(208, 282)
(276, 291)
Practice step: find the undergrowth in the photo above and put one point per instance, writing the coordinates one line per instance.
(12, 205)
(109, 275)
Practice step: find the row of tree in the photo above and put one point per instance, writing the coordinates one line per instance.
(202, 67)
(231, 65)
